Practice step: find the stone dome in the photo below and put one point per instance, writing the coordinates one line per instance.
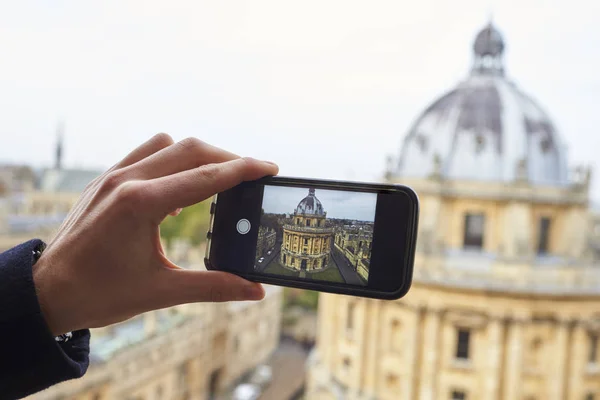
(310, 205)
(486, 128)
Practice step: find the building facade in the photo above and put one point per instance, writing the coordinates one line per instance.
(306, 239)
(354, 242)
(190, 352)
(505, 302)
(265, 241)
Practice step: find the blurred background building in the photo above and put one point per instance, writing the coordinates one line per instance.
(506, 296)
(34, 202)
(194, 351)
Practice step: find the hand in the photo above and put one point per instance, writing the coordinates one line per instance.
(106, 264)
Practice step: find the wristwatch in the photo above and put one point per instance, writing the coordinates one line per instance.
(37, 253)
(65, 337)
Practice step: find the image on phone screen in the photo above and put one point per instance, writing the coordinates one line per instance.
(316, 234)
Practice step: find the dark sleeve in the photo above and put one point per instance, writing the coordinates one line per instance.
(30, 358)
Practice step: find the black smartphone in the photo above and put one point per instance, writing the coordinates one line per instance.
(331, 236)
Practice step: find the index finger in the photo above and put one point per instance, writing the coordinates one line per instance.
(186, 154)
(189, 187)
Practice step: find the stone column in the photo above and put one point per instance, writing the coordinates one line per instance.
(494, 345)
(572, 239)
(517, 222)
(514, 359)
(371, 347)
(557, 377)
(330, 328)
(578, 348)
(440, 224)
(358, 334)
(429, 359)
(412, 354)
(321, 364)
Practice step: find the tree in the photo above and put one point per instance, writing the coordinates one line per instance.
(191, 223)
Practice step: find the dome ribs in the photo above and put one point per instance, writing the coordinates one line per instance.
(310, 204)
(481, 114)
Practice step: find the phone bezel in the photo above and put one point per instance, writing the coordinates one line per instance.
(324, 286)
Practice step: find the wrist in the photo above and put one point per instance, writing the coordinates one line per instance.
(50, 295)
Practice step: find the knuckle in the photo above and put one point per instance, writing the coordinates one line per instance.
(191, 144)
(112, 181)
(209, 173)
(249, 165)
(93, 185)
(90, 185)
(247, 162)
(131, 195)
(163, 139)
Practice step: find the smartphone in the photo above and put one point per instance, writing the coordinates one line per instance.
(331, 236)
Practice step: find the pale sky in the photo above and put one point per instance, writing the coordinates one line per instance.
(337, 203)
(326, 89)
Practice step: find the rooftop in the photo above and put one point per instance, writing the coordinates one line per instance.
(128, 333)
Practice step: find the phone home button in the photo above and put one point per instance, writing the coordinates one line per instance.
(243, 226)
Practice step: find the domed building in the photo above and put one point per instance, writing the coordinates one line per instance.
(505, 302)
(485, 129)
(306, 240)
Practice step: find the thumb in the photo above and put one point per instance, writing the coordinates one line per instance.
(185, 286)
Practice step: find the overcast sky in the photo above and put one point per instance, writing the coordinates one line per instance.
(324, 88)
(337, 203)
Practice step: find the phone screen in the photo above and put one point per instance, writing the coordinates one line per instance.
(316, 234)
(341, 237)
